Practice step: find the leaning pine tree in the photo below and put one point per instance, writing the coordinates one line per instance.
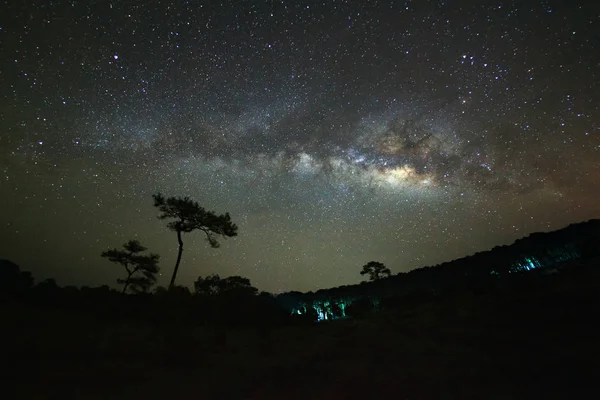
(188, 216)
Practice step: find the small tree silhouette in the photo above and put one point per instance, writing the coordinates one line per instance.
(190, 216)
(233, 286)
(141, 269)
(209, 286)
(375, 270)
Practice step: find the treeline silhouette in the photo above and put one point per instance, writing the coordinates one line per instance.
(230, 305)
(500, 268)
(234, 302)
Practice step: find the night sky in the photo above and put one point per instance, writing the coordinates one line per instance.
(334, 132)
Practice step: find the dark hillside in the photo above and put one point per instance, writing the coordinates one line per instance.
(519, 334)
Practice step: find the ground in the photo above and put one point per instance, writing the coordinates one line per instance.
(517, 345)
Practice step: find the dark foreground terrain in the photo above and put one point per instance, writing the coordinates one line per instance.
(538, 339)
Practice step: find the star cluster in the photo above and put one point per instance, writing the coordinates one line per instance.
(334, 132)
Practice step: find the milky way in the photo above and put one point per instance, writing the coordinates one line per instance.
(335, 133)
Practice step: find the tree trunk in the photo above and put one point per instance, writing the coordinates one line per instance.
(127, 281)
(180, 241)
